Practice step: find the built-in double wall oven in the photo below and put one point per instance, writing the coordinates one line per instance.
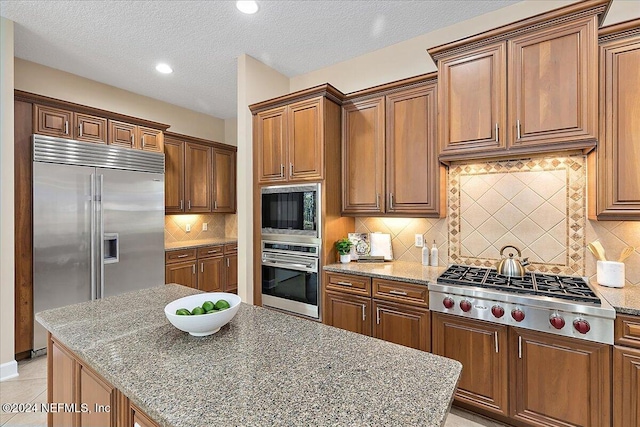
(290, 248)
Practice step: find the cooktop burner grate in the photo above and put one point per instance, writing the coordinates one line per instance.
(548, 285)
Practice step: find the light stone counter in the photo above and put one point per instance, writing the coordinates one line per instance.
(411, 272)
(199, 243)
(264, 368)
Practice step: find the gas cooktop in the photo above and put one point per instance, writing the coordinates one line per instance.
(549, 285)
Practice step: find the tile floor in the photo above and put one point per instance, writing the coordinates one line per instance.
(31, 386)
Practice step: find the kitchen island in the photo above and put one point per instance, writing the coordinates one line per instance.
(263, 368)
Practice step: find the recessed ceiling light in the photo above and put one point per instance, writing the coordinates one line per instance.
(248, 7)
(164, 68)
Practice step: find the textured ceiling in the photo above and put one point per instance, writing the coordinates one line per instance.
(119, 42)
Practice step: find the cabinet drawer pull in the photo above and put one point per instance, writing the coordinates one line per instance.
(377, 201)
(345, 283)
(290, 169)
(495, 336)
(213, 251)
(193, 268)
(202, 267)
(189, 205)
(80, 129)
(364, 316)
(228, 263)
(215, 204)
(281, 170)
(183, 256)
(133, 140)
(391, 201)
(497, 138)
(181, 204)
(518, 128)
(66, 127)
(394, 292)
(142, 141)
(377, 315)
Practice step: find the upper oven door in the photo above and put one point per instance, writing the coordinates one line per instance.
(291, 210)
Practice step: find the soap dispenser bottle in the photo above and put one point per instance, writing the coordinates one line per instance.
(425, 255)
(434, 255)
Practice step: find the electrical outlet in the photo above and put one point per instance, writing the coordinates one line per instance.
(419, 240)
(187, 228)
(205, 226)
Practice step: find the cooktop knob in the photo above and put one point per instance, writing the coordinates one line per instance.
(448, 302)
(556, 321)
(497, 311)
(465, 305)
(581, 326)
(517, 314)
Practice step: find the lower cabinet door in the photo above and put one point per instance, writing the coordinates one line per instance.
(62, 372)
(210, 274)
(140, 419)
(481, 347)
(99, 398)
(348, 312)
(402, 324)
(558, 381)
(231, 284)
(182, 273)
(626, 387)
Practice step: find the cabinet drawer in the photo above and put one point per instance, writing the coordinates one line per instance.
(210, 251)
(231, 248)
(359, 285)
(180, 255)
(627, 330)
(401, 292)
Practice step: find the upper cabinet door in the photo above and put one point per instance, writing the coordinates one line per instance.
(553, 84)
(224, 180)
(472, 101)
(52, 121)
(305, 140)
(90, 128)
(122, 134)
(197, 178)
(413, 170)
(173, 176)
(363, 133)
(270, 132)
(618, 178)
(151, 139)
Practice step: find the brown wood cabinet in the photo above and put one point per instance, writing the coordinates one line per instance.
(400, 309)
(481, 347)
(139, 418)
(61, 383)
(209, 268)
(200, 175)
(128, 135)
(100, 397)
(558, 381)
(224, 180)
(290, 142)
(626, 371)
(616, 182)
(394, 135)
(525, 88)
(63, 123)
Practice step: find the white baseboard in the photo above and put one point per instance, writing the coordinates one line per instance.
(8, 370)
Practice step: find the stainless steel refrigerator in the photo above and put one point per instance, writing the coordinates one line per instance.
(98, 223)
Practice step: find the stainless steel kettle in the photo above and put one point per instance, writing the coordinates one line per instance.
(511, 267)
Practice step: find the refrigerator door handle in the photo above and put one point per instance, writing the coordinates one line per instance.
(92, 246)
(101, 235)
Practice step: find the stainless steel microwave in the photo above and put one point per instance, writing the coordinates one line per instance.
(291, 210)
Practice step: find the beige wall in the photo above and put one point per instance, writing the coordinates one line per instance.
(410, 58)
(231, 131)
(256, 82)
(8, 366)
(36, 78)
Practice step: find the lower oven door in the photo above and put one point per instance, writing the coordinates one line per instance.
(290, 283)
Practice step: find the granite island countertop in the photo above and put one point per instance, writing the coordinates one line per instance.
(264, 368)
(199, 243)
(624, 300)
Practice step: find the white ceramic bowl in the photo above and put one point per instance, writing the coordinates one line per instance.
(203, 324)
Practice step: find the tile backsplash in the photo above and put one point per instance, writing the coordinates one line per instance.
(537, 204)
(218, 226)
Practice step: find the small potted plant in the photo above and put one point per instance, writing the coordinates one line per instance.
(343, 246)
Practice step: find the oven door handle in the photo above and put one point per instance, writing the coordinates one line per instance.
(289, 265)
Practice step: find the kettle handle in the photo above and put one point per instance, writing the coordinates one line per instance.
(509, 246)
